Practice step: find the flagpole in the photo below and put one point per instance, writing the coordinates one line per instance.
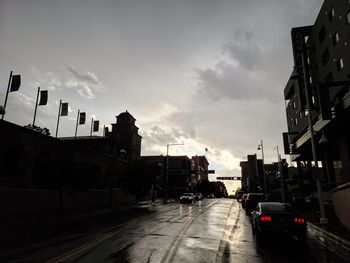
(92, 124)
(7, 93)
(58, 117)
(76, 126)
(36, 106)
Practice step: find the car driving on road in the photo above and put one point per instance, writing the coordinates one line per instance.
(278, 218)
(198, 196)
(187, 198)
(251, 200)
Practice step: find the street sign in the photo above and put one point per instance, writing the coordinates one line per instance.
(229, 178)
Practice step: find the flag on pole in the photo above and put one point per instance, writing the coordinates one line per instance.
(43, 97)
(82, 118)
(64, 109)
(15, 82)
(96, 126)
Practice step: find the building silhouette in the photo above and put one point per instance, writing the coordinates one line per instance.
(325, 48)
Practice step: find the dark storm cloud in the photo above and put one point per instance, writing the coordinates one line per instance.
(226, 81)
(244, 51)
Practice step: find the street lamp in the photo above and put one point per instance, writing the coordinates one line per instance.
(261, 147)
(167, 168)
(281, 175)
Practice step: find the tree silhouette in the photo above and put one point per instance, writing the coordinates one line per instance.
(44, 130)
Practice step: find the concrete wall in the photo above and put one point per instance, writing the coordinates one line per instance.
(28, 202)
(341, 204)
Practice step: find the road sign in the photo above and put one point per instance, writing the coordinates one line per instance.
(229, 178)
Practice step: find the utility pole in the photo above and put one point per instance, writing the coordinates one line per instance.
(323, 219)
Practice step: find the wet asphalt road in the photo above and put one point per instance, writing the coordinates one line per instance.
(214, 230)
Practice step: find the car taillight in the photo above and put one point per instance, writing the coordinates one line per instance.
(265, 218)
(299, 220)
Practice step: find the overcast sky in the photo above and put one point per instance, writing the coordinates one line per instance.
(206, 73)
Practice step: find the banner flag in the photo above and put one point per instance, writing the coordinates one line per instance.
(96, 126)
(64, 109)
(82, 118)
(15, 83)
(43, 97)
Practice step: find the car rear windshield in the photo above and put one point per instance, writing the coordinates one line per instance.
(266, 207)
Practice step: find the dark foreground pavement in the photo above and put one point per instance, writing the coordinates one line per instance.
(214, 230)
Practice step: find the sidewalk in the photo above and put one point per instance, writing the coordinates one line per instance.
(334, 232)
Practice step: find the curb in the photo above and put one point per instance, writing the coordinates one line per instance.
(330, 237)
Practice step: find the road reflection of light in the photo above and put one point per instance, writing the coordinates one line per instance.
(180, 210)
(190, 211)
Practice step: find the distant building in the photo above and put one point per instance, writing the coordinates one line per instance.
(200, 164)
(252, 178)
(180, 176)
(123, 141)
(325, 70)
(125, 136)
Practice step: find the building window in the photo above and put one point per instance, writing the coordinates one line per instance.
(348, 17)
(331, 14)
(335, 38)
(296, 121)
(325, 57)
(322, 34)
(306, 112)
(340, 64)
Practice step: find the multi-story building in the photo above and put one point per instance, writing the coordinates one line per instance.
(252, 178)
(122, 141)
(200, 166)
(178, 177)
(125, 136)
(318, 88)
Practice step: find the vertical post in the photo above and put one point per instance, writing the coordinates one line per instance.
(263, 166)
(166, 174)
(76, 125)
(257, 171)
(36, 106)
(281, 174)
(92, 125)
(58, 117)
(7, 93)
(323, 219)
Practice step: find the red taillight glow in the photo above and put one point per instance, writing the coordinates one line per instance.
(265, 218)
(299, 220)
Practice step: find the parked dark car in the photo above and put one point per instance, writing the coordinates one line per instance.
(211, 196)
(244, 196)
(251, 200)
(198, 196)
(239, 195)
(187, 198)
(278, 218)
